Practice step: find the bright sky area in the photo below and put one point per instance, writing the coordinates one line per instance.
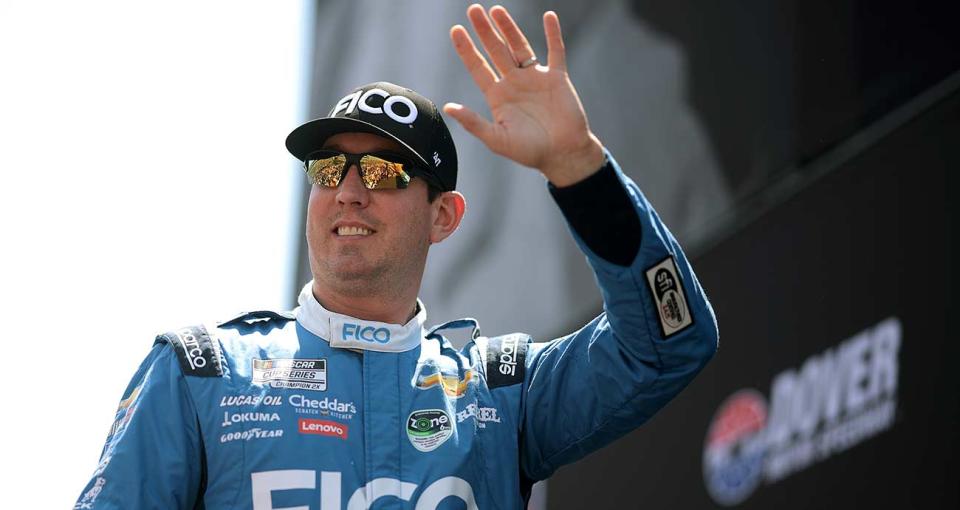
(145, 186)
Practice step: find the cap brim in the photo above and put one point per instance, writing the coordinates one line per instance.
(310, 136)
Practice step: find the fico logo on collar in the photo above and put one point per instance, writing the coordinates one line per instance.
(360, 99)
(365, 333)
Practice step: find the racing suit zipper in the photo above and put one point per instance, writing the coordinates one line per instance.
(382, 427)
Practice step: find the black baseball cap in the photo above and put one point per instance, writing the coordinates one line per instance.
(391, 111)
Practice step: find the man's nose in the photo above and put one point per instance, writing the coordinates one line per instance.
(351, 189)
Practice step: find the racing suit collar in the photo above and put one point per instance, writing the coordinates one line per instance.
(344, 331)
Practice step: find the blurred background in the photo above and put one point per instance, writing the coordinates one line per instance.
(145, 186)
(804, 153)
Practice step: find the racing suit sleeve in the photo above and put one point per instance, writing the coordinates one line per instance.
(153, 453)
(656, 332)
(601, 213)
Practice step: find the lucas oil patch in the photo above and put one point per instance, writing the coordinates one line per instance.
(668, 297)
(291, 373)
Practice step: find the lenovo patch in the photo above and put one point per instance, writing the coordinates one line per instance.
(669, 298)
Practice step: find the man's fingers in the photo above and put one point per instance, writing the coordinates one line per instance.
(472, 59)
(500, 55)
(519, 45)
(557, 55)
(471, 121)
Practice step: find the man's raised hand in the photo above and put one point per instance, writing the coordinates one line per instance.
(538, 120)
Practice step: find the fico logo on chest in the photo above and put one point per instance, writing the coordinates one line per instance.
(265, 482)
(360, 99)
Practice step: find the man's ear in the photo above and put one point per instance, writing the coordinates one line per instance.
(449, 209)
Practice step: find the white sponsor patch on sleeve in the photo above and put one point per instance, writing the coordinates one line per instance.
(668, 297)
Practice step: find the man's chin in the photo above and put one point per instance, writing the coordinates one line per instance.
(353, 274)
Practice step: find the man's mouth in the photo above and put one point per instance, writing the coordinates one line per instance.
(353, 231)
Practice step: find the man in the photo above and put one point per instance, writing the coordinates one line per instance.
(349, 401)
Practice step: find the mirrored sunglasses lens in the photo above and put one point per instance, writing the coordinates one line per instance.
(379, 173)
(327, 171)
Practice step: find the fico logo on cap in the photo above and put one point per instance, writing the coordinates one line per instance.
(360, 99)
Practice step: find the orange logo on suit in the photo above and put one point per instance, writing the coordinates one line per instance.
(453, 386)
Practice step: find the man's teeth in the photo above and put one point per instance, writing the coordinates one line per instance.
(353, 231)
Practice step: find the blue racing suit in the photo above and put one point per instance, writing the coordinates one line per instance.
(316, 410)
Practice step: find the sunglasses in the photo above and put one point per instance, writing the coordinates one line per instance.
(380, 170)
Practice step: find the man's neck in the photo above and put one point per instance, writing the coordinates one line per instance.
(391, 310)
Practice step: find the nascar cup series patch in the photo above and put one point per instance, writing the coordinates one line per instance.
(291, 373)
(671, 303)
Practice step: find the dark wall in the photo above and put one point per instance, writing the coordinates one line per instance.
(779, 83)
(863, 254)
